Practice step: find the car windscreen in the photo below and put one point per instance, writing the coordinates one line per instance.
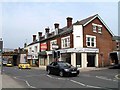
(63, 64)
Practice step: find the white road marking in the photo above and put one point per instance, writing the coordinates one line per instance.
(25, 82)
(74, 82)
(105, 78)
(116, 76)
(92, 86)
(78, 82)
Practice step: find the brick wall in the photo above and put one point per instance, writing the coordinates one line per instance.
(103, 41)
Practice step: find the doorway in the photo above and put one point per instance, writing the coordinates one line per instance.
(91, 60)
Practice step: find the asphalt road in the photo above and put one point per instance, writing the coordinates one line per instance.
(37, 78)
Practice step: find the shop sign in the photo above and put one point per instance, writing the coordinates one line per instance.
(55, 46)
(43, 46)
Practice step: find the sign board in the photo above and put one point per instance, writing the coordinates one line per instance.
(43, 46)
(55, 46)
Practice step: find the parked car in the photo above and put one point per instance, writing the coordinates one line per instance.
(62, 68)
(4, 62)
(9, 63)
(24, 66)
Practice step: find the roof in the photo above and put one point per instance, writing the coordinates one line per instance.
(66, 30)
(86, 21)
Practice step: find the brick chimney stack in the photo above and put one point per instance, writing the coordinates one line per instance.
(69, 21)
(56, 25)
(39, 35)
(34, 38)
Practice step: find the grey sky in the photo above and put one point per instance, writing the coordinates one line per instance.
(20, 20)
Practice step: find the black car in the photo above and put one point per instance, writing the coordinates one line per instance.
(62, 68)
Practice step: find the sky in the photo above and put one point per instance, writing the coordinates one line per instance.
(20, 20)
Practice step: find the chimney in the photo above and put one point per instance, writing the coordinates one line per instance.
(39, 35)
(69, 21)
(56, 25)
(47, 30)
(34, 38)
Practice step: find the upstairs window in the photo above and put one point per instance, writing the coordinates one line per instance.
(53, 42)
(36, 48)
(94, 28)
(99, 29)
(65, 42)
(90, 41)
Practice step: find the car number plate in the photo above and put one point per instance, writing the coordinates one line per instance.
(74, 72)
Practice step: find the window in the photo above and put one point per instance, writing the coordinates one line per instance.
(65, 42)
(51, 43)
(30, 50)
(90, 41)
(99, 29)
(35, 48)
(94, 28)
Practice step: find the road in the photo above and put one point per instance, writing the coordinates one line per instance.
(38, 78)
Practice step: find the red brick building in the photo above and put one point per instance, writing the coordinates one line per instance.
(85, 43)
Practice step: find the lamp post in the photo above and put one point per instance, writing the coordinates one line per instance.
(1, 49)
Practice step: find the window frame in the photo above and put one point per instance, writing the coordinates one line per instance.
(65, 42)
(90, 40)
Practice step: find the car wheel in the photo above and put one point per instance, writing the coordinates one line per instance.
(48, 71)
(61, 73)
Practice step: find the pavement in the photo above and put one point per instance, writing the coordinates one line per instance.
(9, 82)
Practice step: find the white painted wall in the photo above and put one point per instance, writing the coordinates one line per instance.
(33, 49)
(84, 60)
(78, 36)
(73, 59)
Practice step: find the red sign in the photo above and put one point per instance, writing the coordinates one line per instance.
(43, 46)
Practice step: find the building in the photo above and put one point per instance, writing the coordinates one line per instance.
(115, 55)
(85, 43)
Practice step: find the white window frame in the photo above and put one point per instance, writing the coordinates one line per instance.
(90, 36)
(30, 49)
(35, 49)
(99, 29)
(65, 42)
(94, 27)
(52, 42)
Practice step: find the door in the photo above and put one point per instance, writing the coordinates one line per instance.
(91, 60)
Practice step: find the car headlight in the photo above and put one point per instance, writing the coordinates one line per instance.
(66, 70)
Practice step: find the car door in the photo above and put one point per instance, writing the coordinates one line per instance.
(56, 68)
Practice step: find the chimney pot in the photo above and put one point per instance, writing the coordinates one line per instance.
(56, 25)
(47, 30)
(40, 34)
(34, 38)
(69, 21)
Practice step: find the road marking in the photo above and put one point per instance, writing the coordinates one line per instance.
(92, 86)
(25, 82)
(74, 82)
(77, 82)
(105, 78)
(116, 76)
